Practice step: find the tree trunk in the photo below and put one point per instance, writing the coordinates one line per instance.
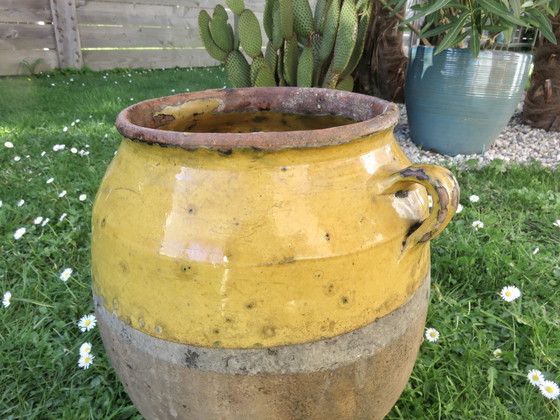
(542, 102)
(382, 68)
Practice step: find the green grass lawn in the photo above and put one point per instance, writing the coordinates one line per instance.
(63, 137)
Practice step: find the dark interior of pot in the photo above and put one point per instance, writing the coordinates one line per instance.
(187, 119)
(257, 121)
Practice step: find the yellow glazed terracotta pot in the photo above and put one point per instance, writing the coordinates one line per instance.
(264, 253)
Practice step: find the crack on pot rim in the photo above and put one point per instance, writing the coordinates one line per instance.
(381, 116)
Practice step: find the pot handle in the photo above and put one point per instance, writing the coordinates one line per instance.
(444, 189)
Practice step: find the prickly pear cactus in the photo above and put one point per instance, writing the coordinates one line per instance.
(305, 47)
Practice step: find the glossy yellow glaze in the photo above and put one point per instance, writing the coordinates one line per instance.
(256, 248)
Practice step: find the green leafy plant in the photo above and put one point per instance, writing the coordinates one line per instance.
(476, 23)
(304, 48)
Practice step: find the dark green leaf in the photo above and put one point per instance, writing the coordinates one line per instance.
(542, 24)
(436, 31)
(398, 5)
(454, 36)
(501, 12)
(474, 42)
(437, 5)
(516, 7)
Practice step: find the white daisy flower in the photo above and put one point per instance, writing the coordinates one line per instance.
(535, 377)
(549, 389)
(73, 150)
(20, 203)
(66, 273)
(38, 220)
(557, 223)
(6, 299)
(536, 251)
(82, 197)
(50, 180)
(8, 145)
(477, 224)
(87, 322)
(85, 349)
(474, 198)
(65, 129)
(62, 194)
(1, 204)
(510, 293)
(432, 335)
(45, 221)
(497, 353)
(43, 153)
(86, 361)
(459, 208)
(19, 233)
(17, 158)
(62, 217)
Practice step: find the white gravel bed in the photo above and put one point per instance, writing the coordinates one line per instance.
(516, 143)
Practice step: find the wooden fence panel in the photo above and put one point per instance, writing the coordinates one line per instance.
(21, 62)
(138, 37)
(20, 36)
(105, 13)
(26, 37)
(20, 11)
(106, 59)
(106, 33)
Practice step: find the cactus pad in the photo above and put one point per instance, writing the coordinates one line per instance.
(270, 55)
(204, 31)
(303, 18)
(291, 60)
(286, 17)
(256, 66)
(238, 69)
(305, 68)
(331, 27)
(220, 13)
(265, 78)
(277, 36)
(236, 6)
(268, 21)
(360, 43)
(321, 7)
(250, 33)
(346, 84)
(346, 36)
(222, 33)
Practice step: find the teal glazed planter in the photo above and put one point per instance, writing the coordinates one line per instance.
(457, 104)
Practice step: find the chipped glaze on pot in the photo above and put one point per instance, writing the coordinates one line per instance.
(246, 241)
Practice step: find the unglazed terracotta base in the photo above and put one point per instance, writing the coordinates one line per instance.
(357, 375)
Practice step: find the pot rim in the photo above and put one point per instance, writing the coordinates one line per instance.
(144, 121)
(467, 51)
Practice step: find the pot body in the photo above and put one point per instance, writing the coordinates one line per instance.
(457, 104)
(280, 281)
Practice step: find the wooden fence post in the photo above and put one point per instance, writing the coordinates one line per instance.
(65, 24)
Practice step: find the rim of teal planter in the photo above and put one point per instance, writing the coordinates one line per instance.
(473, 119)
